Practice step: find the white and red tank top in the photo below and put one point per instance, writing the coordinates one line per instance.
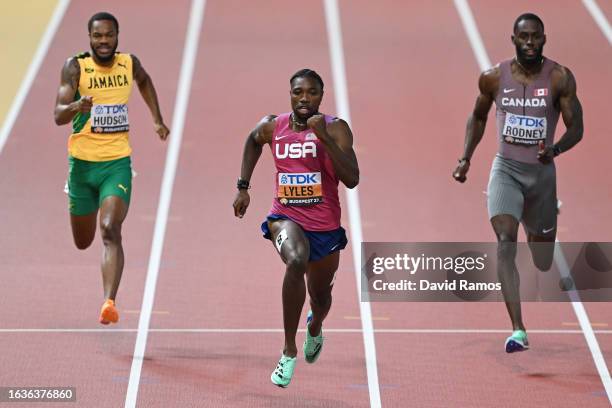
(306, 185)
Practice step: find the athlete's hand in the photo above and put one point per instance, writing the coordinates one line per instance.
(460, 172)
(162, 130)
(84, 104)
(545, 154)
(241, 203)
(318, 125)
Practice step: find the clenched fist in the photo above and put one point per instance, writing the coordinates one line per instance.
(84, 104)
(317, 124)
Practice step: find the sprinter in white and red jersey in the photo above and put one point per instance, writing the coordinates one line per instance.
(312, 153)
(530, 91)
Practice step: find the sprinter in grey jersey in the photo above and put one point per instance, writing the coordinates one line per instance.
(529, 93)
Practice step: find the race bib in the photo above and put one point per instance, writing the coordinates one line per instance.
(109, 118)
(299, 189)
(524, 130)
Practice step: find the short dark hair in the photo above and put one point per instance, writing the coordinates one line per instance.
(527, 16)
(103, 15)
(307, 73)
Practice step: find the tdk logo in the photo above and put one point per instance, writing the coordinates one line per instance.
(296, 150)
(110, 109)
(299, 178)
(525, 121)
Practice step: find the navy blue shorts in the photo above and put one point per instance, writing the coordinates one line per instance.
(322, 243)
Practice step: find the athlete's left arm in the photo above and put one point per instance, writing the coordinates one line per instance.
(571, 111)
(147, 90)
(337, 139)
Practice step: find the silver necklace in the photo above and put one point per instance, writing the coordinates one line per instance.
(295, 122)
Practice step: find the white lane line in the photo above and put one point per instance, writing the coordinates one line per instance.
(334, 33)
(279, 330)
(484, 63)
(471, 29)
(176, 134)
(600, 18)
(30, 76)
(585, 325)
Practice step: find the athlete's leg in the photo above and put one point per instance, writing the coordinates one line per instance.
(83, 229)
(542, 250)
(112, 213)
(506, 229)
(320, 277)
(294, 249)
(83, 205)
(540, 218)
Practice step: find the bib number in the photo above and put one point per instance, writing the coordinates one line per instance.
(109, 118)
(524, 130)
(300, 189)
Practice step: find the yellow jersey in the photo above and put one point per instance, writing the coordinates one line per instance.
(103, 133)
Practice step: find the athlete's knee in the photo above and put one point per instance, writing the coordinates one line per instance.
(543, 265)
(321, 299)
(111, 232)
(297, 263)
(544, 260)
(506, 248)
(542, 253)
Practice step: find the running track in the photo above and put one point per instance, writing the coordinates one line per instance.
(411, 77)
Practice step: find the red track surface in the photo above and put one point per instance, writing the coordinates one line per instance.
(412, 82)
(429, 88)
(47, 283)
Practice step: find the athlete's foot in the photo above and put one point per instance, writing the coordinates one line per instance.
(517, 342)
(313, 344)
(108, 313)
(282, 374)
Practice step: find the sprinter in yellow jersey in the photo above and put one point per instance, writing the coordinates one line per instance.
(93, 95)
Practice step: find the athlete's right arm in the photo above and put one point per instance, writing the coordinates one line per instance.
(488, 84)
(261, 135)
(65, 105)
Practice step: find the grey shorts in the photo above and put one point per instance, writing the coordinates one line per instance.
(526, 191)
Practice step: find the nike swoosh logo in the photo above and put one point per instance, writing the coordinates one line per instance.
(334, 247)
(546, 231)
(508, 90)
(280, 137)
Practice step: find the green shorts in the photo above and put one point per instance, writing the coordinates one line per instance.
(89, 183)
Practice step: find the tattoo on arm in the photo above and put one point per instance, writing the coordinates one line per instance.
(138, 72)
(71, 74)
(69, 85)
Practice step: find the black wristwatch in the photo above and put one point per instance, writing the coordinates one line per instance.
(556, 150)
(243, 184)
